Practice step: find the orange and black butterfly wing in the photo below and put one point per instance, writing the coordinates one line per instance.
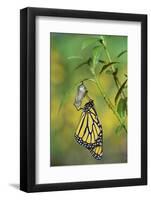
(83, 133)
(97, 149)
(97, 152)
(89, 133)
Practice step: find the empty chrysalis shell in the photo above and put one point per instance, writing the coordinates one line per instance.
(81, 92)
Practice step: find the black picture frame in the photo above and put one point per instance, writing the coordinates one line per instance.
(28, 99)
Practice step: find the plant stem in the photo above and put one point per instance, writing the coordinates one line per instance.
(117, 82)
(109, 103)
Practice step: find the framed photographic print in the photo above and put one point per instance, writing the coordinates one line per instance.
(83, 99)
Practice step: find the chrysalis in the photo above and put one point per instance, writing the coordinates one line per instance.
(81, 93)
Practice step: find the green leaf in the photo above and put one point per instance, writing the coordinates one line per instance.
(88, 42)
(120, 54)
(101, 61)
(96, 54)
(107, 65)
(118, 130)
(109, 72)
(122, 107)
(81, 65)
(91, 79)
(74, 57)
(120, 91)
(87, 79)
(88, 62)
(115, 71)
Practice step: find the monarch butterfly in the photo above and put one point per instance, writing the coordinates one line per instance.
(89, 132)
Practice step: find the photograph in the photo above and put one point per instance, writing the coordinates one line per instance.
(88, 99)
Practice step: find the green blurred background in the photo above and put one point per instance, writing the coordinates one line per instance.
(67, 52)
